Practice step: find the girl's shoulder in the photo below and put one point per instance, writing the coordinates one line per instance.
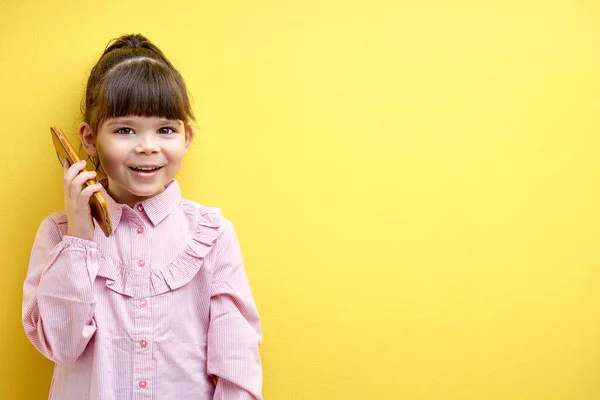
(59, 220)
(208, 217)
(207, 214)
(203, 217)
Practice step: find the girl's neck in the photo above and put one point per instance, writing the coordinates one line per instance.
(122, 196)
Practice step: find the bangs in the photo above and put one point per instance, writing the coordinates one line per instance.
(143, 87)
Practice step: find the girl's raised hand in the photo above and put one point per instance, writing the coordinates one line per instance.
(77, 206)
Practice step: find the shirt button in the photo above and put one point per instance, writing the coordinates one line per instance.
(140, 207)
(143, 344)
(141, 263)
(143, 303)
(143, 384)
(140, 229)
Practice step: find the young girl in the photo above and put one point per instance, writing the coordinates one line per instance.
(162, 308)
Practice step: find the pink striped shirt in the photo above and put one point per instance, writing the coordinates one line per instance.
(160, 310)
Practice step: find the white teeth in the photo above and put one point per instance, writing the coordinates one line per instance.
(144, 168)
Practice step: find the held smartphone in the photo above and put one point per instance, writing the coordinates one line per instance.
(98, 204)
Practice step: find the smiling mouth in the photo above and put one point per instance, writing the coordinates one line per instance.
(144, 169)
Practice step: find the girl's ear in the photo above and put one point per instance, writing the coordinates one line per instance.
(190, 134)
(87, 139)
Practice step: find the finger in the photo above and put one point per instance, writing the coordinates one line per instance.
(84, 196)
(70, 174)
(77, 183)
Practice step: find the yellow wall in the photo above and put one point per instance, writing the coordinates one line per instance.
(414, 184)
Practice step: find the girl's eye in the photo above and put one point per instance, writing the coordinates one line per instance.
(125, 131)
(165, 131)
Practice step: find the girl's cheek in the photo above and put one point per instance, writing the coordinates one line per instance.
(109, 162)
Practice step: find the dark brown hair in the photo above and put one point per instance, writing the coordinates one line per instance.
(133, 77)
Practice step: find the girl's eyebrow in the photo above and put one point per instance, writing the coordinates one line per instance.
(120, 121)
(127, 121)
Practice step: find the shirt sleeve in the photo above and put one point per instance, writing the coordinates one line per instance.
(58, 299)
(234, 332)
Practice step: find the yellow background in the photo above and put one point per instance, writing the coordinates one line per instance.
(414, 183)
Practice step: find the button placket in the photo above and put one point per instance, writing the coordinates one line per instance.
(143, 374)
(142, 357)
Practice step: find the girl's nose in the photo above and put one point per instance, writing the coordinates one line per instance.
(146, 144)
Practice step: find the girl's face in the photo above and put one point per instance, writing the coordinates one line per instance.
(140, 155)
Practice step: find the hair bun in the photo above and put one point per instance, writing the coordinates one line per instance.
(133, 41)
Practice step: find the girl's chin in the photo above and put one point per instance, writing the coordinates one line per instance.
(147, 193)
(136, 192)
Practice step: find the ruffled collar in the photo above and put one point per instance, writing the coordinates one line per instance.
(143, 282)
